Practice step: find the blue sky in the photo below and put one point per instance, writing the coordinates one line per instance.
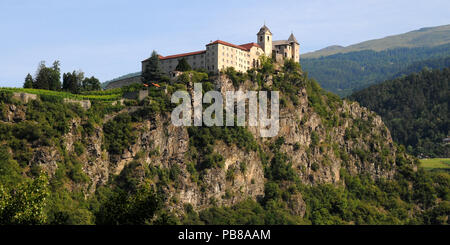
(107, 39)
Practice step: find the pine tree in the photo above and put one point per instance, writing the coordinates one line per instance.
(183, 65)
(28, 81)
(153, 71)
(55, 76)
(72, 82)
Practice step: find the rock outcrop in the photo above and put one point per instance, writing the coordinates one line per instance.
(356, 140)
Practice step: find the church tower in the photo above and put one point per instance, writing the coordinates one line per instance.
(265, 40)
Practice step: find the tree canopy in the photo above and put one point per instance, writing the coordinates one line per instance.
(153, 71)
(183, 65)
(28, 81)
(415, 109)
(48, 77)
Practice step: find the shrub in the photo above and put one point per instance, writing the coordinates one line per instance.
(78, 148)
(118, 134)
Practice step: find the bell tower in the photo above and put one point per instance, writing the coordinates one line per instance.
(265, 40)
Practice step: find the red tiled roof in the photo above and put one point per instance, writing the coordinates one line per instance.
(177, 55)
(181, 55)
(248, 46)
(245, 47)
(227, 44)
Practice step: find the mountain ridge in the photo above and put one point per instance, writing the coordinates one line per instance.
(424, 37)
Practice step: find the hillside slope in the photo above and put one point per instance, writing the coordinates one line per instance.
(349, 72)
(333, 162)
(415, 108)
(424, 37)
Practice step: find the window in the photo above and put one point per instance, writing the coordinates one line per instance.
(268, 38)
(260, 38)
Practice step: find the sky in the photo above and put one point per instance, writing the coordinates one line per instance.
(107, 39)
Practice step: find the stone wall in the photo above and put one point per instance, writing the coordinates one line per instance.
(85, 104)
(24, 97)
(137, 95)
(124, 82)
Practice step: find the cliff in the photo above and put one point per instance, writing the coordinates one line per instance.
(318, 148)
(332, 161)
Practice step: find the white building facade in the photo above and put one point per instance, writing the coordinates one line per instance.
(220, 55)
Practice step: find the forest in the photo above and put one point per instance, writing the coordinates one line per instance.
(415, 109)
(346, 73)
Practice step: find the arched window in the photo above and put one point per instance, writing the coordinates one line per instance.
(260, 38)
(268, 38)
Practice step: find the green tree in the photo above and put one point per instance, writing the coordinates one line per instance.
(48, 77)
(55, 76)
(122, 208)
(28, 81)
(183, 65)
(72, 82)
(266, 66)
(25, 203)
(153, 71)
(91, 84)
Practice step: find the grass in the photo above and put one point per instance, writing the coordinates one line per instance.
(436, 164)
(107, 95)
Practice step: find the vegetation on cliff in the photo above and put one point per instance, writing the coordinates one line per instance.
(104, 167)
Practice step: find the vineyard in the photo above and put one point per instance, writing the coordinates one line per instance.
(107, 95)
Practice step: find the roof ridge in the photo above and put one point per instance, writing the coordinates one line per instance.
(181, 55)
(227, 44)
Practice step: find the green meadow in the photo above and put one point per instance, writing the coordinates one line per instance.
(436, 164)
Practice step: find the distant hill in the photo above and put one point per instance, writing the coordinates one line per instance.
(433, 63)
(346, 73)
(425, 37)
(415, 109)
(104, 84)
(344, 70)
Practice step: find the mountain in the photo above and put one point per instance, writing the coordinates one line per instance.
(104, 84)
(332, 162)
(424, 37)
(434, 63)
(349, 72)
(361, 65)
(415, 109)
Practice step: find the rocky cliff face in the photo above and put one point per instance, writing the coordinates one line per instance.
(353, 138)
